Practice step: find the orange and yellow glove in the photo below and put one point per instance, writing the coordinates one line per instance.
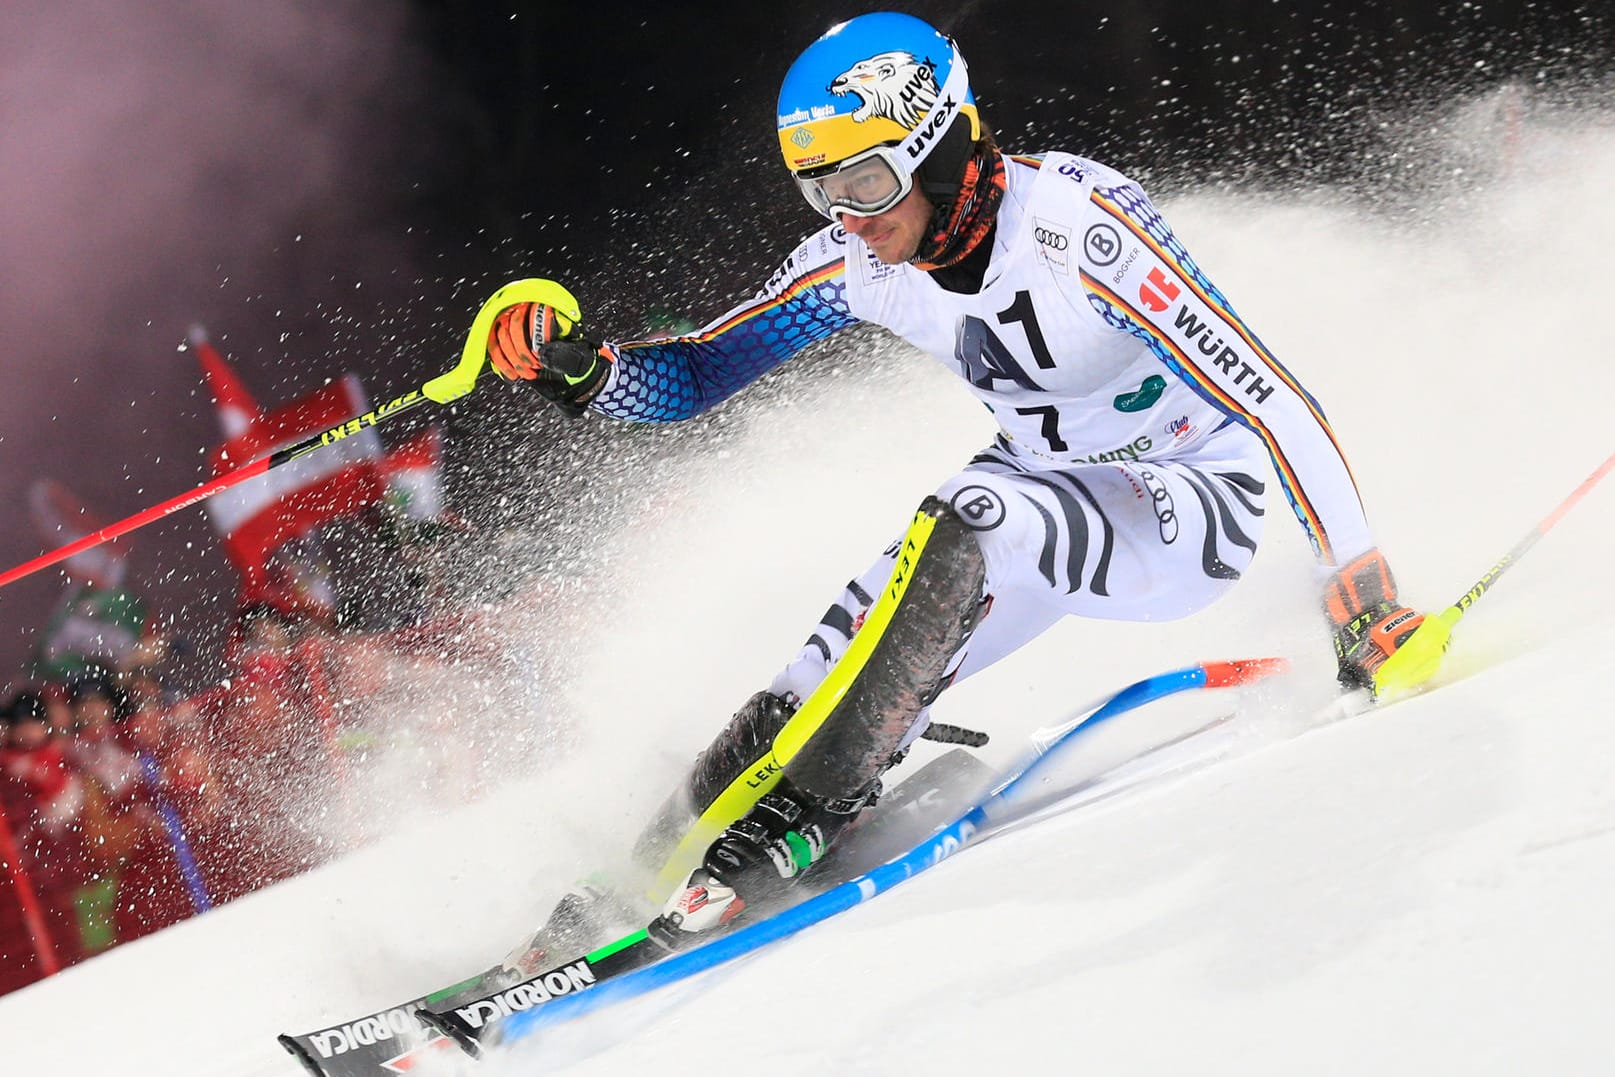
(1369, 624)
(537, 343)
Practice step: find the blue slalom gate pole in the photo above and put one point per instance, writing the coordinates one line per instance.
(192, 875)
(928, 853)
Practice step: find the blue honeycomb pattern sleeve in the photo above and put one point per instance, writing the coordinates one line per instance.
(667, 380)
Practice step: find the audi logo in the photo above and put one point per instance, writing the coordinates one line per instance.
(1056, 241)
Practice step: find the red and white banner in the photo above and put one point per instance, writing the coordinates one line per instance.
(339, 480)
(236, 407)
(61, 518)
(414, 475)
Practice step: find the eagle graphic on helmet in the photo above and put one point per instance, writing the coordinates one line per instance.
(891, 85)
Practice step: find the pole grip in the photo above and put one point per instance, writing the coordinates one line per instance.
(451, 386)
(460, 381)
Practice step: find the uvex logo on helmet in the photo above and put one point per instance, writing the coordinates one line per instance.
(936, 122)
(891, 85)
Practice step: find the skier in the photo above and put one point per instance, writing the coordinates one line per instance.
(1135, 410)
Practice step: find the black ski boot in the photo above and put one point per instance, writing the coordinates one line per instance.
(584, 918)
(755, 862)
(744, 743)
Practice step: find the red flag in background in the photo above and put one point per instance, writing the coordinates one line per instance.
(60, 518)
(259, 515)
(237, 409)
(414, 476)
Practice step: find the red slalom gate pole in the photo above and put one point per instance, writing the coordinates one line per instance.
(33, 914)
(139, 519)
(442, 389)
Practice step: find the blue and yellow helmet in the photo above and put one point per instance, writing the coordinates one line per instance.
(883, 79)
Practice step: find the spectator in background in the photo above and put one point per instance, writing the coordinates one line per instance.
(120, 823)
(256, 730)
(98, 705)
(35, 759)
(44, 800)
(58, 711)
(152, 889)
(143, 690)
(176, 738)
(94, 632)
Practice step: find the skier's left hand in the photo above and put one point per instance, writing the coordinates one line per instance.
(535, 342)
(1371, 625)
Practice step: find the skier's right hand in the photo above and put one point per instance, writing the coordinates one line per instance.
(535, 342)
(1371, 626)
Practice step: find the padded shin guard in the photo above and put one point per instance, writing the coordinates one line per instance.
(744, 744)
(927, 612)
(849, 727)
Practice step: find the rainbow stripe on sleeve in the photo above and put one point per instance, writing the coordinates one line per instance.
(1168, 250)
(680, 377)
(768, 304)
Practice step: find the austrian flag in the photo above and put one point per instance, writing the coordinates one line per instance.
(257, 516)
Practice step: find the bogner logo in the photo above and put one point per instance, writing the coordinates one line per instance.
(980, 508)
(1104, 244)
(577, 976)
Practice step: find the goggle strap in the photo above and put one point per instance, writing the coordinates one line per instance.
(923, 139)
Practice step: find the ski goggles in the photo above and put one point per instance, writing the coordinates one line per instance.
(878, 178)
(863, 185)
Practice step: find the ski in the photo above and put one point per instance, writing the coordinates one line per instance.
(389, 1041)
(915, 816)
(486, 1022)
(398, 1039)
(999, 809)
(920, 805)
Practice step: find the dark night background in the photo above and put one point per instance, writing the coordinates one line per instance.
(337, 186)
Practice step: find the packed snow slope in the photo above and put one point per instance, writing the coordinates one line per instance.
(1419, 889)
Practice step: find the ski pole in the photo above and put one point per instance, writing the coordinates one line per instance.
(1416, 660)
(442, 389)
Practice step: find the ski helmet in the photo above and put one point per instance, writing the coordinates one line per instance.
(876, 103)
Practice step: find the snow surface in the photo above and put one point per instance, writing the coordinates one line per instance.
(1420, 889)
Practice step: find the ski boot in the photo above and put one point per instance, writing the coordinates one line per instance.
(583, 918)
(755, 862)
(743, 743)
